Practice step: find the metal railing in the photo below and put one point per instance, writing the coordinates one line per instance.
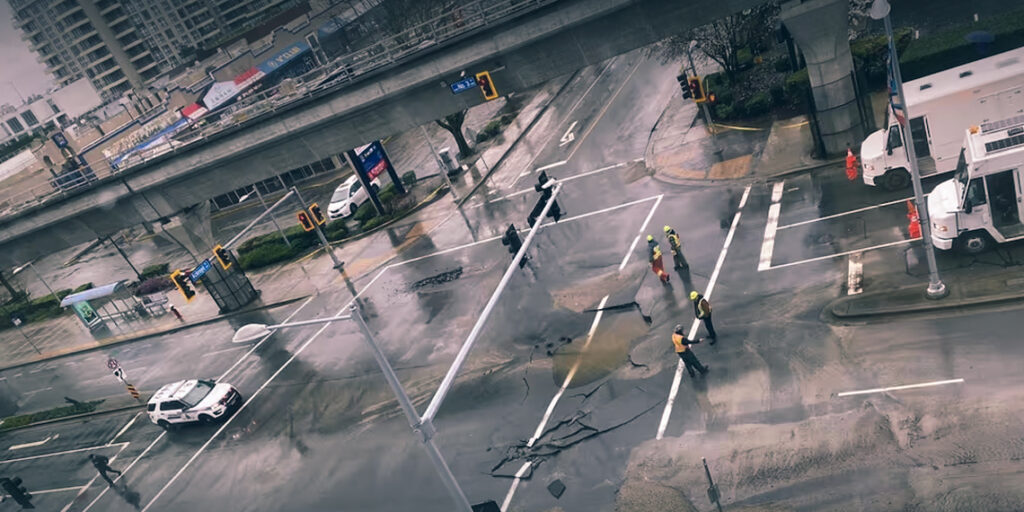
(337, 72)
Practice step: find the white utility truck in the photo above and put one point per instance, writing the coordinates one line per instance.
(984, 200)
(941, 106)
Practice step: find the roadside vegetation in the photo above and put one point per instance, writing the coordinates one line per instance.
(22, 420)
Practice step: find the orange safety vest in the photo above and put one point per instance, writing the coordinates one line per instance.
(680, 342)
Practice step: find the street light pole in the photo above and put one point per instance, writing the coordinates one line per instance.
(273, 218)
(426, 430)
(936, 288)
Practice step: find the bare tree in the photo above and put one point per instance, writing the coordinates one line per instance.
(401, 15)
(722, 39)
(453, 123)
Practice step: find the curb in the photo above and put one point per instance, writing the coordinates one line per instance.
(143, 336)
(77, 416)
(929, 306)
(529, 126)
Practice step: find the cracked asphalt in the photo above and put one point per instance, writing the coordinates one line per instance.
(572, 376)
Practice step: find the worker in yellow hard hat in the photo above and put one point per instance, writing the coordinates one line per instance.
(702, 310)
(678, 260)
(655, 258)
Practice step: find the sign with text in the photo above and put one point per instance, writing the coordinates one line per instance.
(200, 271)
(464, 85)
(372, 158)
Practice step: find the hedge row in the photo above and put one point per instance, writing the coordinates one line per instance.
(49, 414)
(792, 92)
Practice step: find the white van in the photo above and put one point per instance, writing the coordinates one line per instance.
(941, 107)
(984, 202)
(348, 197)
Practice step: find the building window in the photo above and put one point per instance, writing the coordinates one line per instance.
(29, 118)
(15, 125)
(53, 106)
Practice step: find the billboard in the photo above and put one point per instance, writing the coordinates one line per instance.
(372, 159)
(219, 94)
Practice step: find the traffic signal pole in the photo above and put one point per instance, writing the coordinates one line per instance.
(460, 359)
(703, 105)
(338, 264)
(253, 222)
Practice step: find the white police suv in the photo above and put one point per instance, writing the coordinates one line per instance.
(194, 400)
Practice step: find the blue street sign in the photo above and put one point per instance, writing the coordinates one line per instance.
(200, 271)
(464, 85)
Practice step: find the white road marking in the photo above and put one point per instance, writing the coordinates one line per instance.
(568, 376)
(3, 378)
(221, 351)
(549, 223)
(897, 388)
(855, 275)
(768, 245)
(265, 338)
(65, 452)
(835, 215)
(563, 180)
(568, 114)
(515, 485)
(550, 166)
(52, 491)
(678, 377)
(37, 370)
(569, 136)
(845, 253)
(117, 478)
(604, 109)
(34, 391)
(16, 375)
(524, 173)
(124, 428)
(643, 228)
(31, 445)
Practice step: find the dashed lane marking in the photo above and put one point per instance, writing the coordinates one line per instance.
(678, 377)
(855, 274)
(898, 388)
(768, 245)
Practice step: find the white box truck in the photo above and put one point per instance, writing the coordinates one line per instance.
(941, 107)
(984, 201)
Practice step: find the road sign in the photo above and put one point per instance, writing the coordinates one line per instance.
(200, 271)
(112, 364)
(119, 374)
(464, 85)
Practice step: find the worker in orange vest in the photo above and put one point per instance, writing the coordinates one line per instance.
(655, 257)
(690, 361)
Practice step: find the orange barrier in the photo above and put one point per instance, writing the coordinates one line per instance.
(851, 165)
(915, 221)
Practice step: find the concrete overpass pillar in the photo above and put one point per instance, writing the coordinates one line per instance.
(820, 28)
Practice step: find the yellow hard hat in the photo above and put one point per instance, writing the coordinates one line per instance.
(650, 238)
(693, 295)
(667, 229)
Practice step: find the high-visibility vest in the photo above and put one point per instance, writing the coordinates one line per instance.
(655, 252)
(680, 342)
(703, 308)
(673, 240)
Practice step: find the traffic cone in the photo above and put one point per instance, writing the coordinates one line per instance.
(851, 165)
(915, 220)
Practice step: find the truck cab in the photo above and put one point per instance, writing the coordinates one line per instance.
(984, 201)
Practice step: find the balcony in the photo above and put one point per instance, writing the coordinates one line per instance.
(83, 37)
(100, 60)
(116, 83)
(147, 67)
(53, 70)
(95, 46)
(127, 29)
(110, 8)
(83, 21)
(74, 9)
(108, 73)
(132, 44)
(141, 54)
(118, 19)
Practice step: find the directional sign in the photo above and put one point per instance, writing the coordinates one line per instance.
(200, 271)
(464, 85)
(112, 364)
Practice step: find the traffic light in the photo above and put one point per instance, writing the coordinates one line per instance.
(318, 216)
(545, 186)
(180, 279)
(483, 80)
(13, 487)
(223, 256)
(697, 89)
(685, 86)
(305, 221)
(511, 239)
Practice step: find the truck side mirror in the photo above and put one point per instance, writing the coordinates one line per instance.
(968, 206)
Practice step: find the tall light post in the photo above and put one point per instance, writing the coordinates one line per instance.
(29, 265)
(936, 289)
(253, 332)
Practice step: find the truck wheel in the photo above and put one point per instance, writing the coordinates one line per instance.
(896, 179)
(975, 242)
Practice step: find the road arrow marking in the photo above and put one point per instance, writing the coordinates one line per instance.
(569, 136)
(37, 443)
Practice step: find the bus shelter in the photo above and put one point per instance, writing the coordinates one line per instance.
(114, 305)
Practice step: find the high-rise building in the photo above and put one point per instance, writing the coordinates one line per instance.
(124, 44)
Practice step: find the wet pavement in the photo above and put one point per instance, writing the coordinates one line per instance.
(556, 390)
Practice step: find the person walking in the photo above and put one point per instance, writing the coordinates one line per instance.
(678, 260)
(177, 314)
(690, 360)
(702, 310)
(655, 257)
(102, 464)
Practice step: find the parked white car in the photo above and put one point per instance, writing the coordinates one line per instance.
(193, 400)
(348, 197)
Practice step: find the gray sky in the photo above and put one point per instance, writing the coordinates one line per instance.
(19, 65)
